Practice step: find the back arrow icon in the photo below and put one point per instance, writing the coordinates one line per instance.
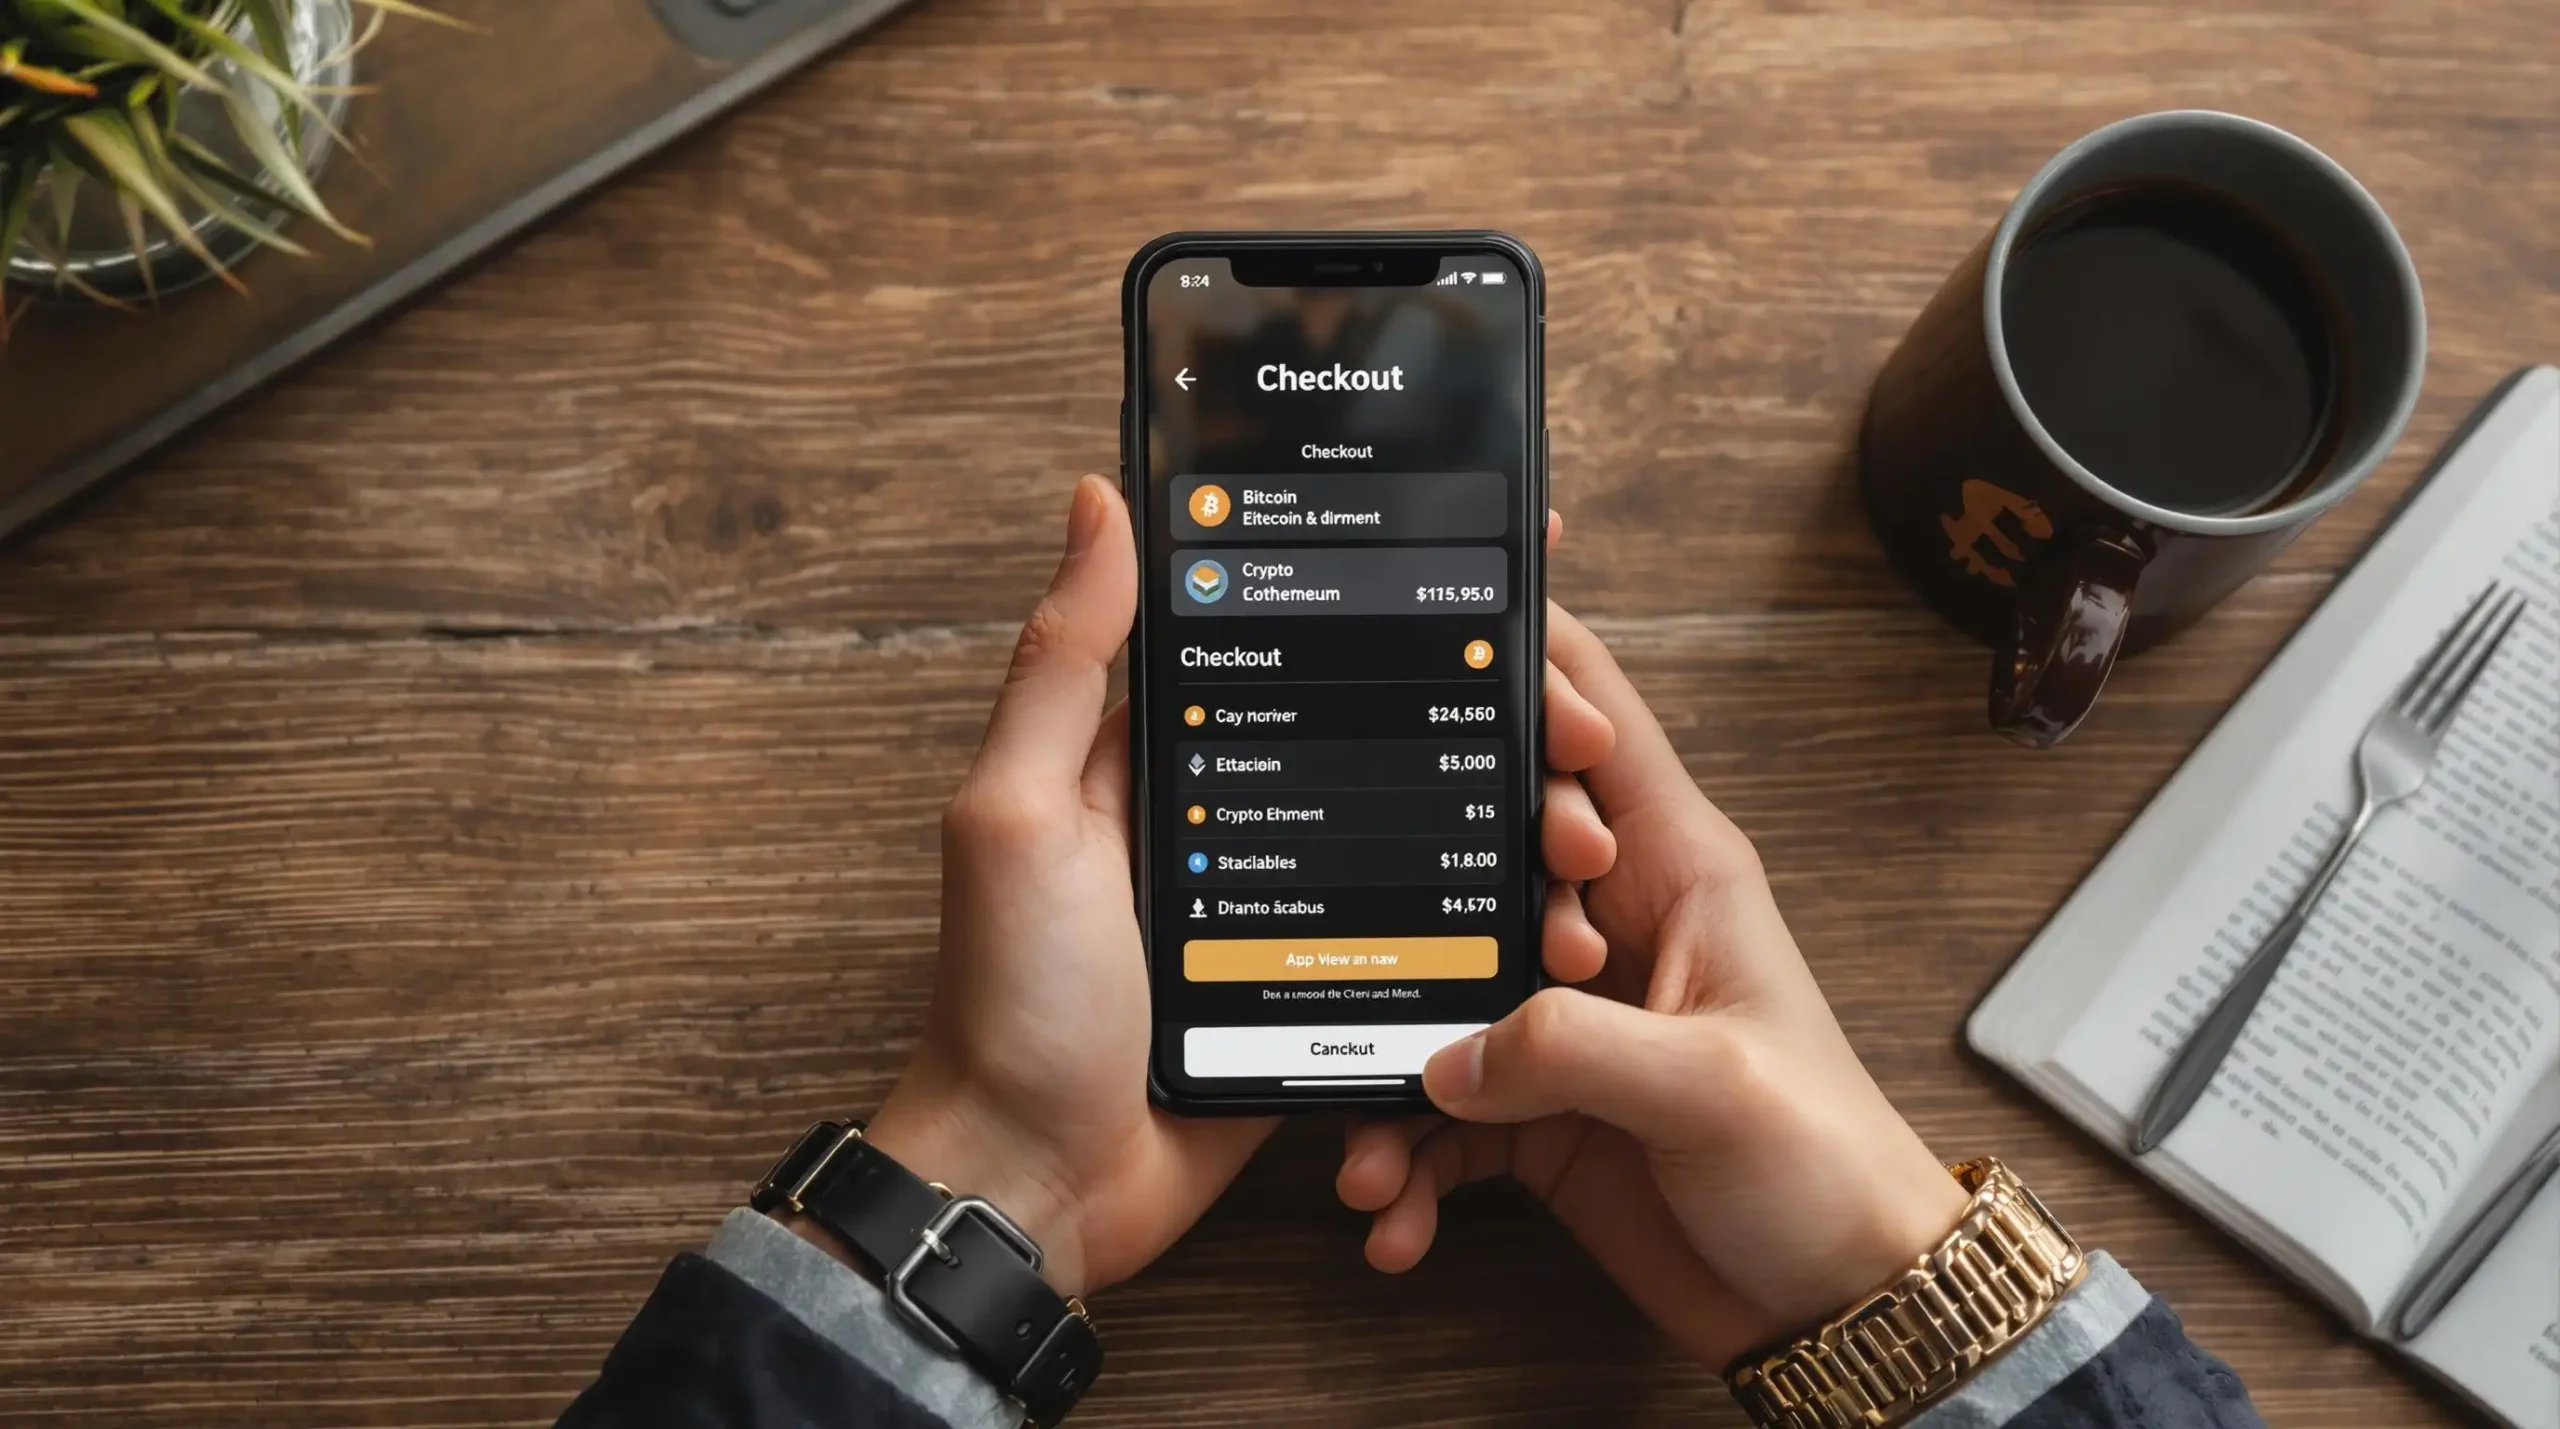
(1184, 379)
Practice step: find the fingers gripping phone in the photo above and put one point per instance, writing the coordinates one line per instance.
(1334, 447)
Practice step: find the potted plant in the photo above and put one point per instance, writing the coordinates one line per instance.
(147, 144)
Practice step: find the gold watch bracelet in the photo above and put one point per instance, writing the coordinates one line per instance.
(1995, 1277)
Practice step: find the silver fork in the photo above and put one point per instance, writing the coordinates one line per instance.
(2393, 759)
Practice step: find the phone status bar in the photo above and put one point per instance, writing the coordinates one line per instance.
(1205, 274)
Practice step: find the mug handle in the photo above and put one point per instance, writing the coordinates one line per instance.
(2070, 624)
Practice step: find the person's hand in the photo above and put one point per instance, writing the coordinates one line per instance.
(1696, 1119)
(1028, 1086)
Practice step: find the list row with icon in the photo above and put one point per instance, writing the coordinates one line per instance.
(1339, 507)
(1343, 580)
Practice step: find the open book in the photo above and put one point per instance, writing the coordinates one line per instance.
(2407, 1058)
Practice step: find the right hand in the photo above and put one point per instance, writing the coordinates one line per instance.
(1696, 1119)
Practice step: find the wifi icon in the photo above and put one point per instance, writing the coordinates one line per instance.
(1469, 277)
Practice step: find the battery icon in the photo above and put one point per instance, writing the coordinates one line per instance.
(1493, 280)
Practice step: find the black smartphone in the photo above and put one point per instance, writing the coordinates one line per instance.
(1334, 447)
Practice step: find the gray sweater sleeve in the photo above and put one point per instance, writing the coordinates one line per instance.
(854, 1315)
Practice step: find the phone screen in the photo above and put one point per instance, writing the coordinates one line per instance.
(1339, 491)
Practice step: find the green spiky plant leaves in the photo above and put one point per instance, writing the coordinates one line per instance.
(90, 91)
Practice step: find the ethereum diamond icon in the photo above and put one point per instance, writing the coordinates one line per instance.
(1198, 764)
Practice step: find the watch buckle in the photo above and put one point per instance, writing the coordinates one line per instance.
(929, 1241)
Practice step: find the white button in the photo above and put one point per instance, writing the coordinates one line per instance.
(1375, 1050)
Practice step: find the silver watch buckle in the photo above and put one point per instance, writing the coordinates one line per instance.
(929, 1241)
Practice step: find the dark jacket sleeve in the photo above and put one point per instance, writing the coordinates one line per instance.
(709, 1351)
(2149, 1377)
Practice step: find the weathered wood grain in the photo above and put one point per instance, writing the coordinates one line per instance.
(865, 332)
(414, 996)
(458, 811)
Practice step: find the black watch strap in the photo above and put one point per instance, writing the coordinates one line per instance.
(957, 1268)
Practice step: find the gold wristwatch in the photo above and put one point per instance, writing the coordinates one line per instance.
(1901, 1349)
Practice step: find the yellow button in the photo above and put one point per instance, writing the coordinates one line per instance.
(1337, 959)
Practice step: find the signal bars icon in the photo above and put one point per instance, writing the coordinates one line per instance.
(1447, 280)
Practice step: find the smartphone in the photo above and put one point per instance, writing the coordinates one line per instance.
(1334, 447)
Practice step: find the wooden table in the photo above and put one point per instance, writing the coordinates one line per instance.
(461, 811)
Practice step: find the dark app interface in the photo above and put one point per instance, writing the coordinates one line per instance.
(1336, 482)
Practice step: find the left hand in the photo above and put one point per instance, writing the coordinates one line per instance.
(1028, 1086)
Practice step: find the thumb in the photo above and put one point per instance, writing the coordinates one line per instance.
(1564, 1050)
(1051, 704)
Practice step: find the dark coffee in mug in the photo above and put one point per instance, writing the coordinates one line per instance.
(2190, 335)
(2177, 344)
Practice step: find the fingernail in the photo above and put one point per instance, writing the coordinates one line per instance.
(1455, 1072)
(1084, 516)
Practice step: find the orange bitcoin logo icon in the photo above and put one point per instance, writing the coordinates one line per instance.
(1210, 505)
(1984, 504)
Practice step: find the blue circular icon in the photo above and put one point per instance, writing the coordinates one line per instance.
(1197, 863)
(1206, 580)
